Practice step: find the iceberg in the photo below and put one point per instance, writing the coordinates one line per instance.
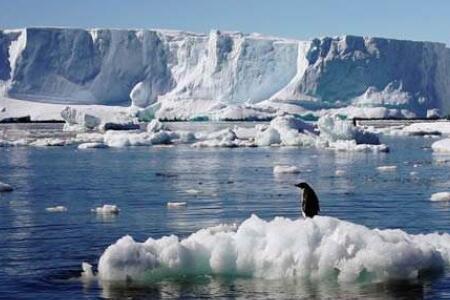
(178, 75)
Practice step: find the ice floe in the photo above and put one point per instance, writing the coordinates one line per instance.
(106, 209)
(387, 168)
(92, 145)
(319, 248)
(176, 204)
(4, 187)
(285, 169)
(58, 208)
(441, 146)
(441, 196)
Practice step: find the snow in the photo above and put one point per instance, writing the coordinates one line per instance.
(285, 169)
(177, 75)
(176, 204)
(4, 187)
(441, 196)
(59, 208)
(321, 248)
(386, 168)
(106, 209)
(441, 145)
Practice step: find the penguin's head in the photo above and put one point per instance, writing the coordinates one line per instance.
(302, 185)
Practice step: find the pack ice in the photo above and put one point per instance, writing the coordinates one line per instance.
(221, 75)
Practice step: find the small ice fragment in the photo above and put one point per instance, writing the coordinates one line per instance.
(387, 168)
(413, 173)
(441, 196)
(4, 187)
(58, 208)
(176, 204)
(92, 145)
(193, 192)
(106, 209)
(87, 271)
(339, 172)
(285, 169)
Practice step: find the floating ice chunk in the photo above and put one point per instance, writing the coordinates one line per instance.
(339, 172)
(351, 145)
(318, 248)
(333, 129)
(285, 169)
(441, 196)
(76, 120)
(441, 145)
(176, 204)
(87, 273)
(48, 142)
(266, 136)
(428, 128)
(92, 145)
(193, 192)
(386, 168)
(413, 173)
(155, 126)
(59, 208)
(4, 187)
(106, 209)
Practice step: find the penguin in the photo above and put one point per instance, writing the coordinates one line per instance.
(310, 202)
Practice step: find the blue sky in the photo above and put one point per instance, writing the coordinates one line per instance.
(413, 19)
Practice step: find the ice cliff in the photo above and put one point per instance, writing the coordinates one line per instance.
(182, 74)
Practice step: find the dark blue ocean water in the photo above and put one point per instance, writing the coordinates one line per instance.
(41, 252)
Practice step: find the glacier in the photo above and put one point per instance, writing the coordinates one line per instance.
(178, 75)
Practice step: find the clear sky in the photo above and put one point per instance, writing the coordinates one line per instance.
(405, 19)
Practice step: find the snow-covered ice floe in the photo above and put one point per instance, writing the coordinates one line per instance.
(106, 209)
(319, 248)
(4, 187)
(441, 196)
(59, 208)
(285, 169)
(441, 146)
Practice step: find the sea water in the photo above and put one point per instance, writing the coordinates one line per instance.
(41, 251)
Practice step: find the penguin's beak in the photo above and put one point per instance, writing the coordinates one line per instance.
(297, 185)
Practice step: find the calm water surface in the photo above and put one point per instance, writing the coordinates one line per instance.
(41, 252)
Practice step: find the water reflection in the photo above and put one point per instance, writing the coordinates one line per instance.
(246, 288)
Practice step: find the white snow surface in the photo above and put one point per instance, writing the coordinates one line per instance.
(221, 75)
(321, 248)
